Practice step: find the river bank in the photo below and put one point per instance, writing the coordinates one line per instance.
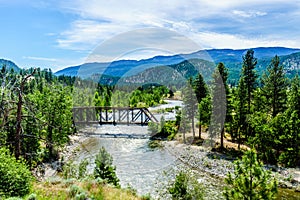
(211, 167)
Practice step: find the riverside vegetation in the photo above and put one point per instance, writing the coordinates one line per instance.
(36, 122)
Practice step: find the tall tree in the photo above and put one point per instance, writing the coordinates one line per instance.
(249, 77)
(190, 103)
(291, 137)
(219, 101)
(274, 86)
(54, 111)
(201, 92)
(241, 109)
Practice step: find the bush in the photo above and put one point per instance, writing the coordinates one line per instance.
(185, 187)
(104, 168)
(15, 178)
(250, 180)
(82, 168)
(32, 197)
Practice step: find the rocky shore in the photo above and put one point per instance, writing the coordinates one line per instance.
(217, 165)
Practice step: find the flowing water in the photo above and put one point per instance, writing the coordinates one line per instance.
(136, 164)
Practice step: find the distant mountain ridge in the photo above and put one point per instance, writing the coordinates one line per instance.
(126, 68)
(9, 64)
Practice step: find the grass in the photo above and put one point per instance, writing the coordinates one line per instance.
(74, 189)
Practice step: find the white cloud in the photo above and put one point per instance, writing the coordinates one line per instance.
(217, 40)
(197, 19)
(40, 58)
(248, 14)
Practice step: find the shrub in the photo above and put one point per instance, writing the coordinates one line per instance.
(32, 197)
(69, 170)
(185, 187)
(15, 178)
(82, 168)
(250, 180)
(104, 168)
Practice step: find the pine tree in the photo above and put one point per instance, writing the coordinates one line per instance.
(219, 102)
(201, 92)
(290, 138)
(241, 109)
(248, 76)
(104, 168)
(200, 87)
(190, 103)
(250, 181)
(274, 86)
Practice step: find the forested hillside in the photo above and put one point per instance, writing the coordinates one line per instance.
(261, 111)
(133, 71)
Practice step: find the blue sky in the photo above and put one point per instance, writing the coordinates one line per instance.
(58, 34)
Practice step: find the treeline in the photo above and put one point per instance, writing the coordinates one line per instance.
(36, 108)
(36, 113)
(260, 112)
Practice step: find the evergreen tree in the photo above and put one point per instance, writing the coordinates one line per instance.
(294, 95)
(54, 111)
(248, 76)
(250, 181)
(184, 126)
(219, 102)
(290, 137)
(274, 86)
(204, 109)
(201, 92)
(241, 109)
(190, 103)
(200, 87)
(104, 168)
(185, 187)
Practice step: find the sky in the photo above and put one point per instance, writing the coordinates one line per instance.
(57, 34)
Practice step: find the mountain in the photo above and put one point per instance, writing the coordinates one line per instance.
(171, 75)
(126, 68)
(9, 64)
(119, 68)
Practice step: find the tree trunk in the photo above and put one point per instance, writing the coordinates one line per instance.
(200, 130)
(239, 139)
(222, 138)
(193, 126)
(18, 128)
(19, 117)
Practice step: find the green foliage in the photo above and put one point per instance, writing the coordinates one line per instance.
(200, 87)
(247, 84)
(82, 168)
(32, 196)
(15, 177)
(148, 95)
(53, 108)
(71, 170)
(104, 168)
(274, 87)
(77, 193)
(185, 188)
(163, 130)
(190, 103)
(250, 181)
(219, 102)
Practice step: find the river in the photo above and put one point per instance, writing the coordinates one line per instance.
(136, 164)
(148, 170)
